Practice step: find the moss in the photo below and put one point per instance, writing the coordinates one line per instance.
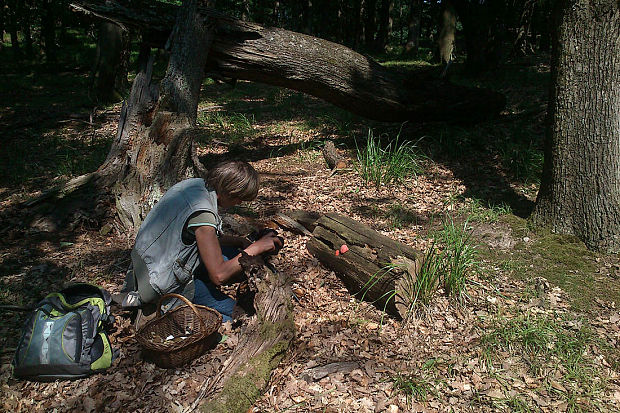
(246, 385)
(561, 259)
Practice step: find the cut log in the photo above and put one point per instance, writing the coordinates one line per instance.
(332, 157)
(375, 268)
(262, 343)
(327, 70)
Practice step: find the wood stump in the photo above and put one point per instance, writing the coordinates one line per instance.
(375, 268)
(262, 344)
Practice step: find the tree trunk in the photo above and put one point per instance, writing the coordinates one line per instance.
(375, 268)
(109, 74)
(48, 30)
(370, 22)
(447, 32)
(262, 344)
(414, 22)
(580, 188)
(152, 148)
(327, 70)
(385, 26)
(306, 16)
(12, 26)
(357, 23)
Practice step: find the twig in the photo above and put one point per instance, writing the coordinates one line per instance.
(15, 308)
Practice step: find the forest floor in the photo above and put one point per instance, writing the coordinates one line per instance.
(538, 329)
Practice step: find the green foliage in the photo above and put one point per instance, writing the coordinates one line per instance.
(394, 162)
(477, 212)
(415, 387)
(232, 127)
(523, 162)
(548, 344)
(458, 257)
(448, 268)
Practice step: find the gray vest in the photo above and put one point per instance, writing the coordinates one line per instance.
(162, 263)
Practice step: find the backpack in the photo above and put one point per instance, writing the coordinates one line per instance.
(65, 335)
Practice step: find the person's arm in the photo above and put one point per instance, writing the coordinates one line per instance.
(234, 241)
(219, 270)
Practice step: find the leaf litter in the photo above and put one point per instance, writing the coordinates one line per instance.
(347, 356)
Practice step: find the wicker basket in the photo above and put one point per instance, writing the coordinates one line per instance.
(193, 329)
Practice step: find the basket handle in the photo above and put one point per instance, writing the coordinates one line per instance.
(186, 301)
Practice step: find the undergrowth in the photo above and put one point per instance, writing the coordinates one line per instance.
(382, 164)
(558, 349)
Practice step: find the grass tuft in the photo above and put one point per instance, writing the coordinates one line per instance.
(379, 164)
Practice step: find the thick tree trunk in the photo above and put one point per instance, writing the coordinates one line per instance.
(48, 30)
(413, 24)
(385, 26)
(375, 268)
(152, 148)
(580, 188)
(447, 32)
(324, 69)
(109, 74)
(370, 22)
(484, 33)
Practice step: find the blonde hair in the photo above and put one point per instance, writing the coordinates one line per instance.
(237, 179)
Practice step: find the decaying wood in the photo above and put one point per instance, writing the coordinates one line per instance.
(307, 219)
(317, 373)
(375, 268)
(330, 71)
(332, 157)
(262, 344)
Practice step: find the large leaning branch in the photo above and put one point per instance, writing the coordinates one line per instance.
(324, 69)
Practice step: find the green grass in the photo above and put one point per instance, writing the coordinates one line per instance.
(230, 127)
(478, 212)
(550, 347)
(382, 164)
(458, 256)
(414, 387)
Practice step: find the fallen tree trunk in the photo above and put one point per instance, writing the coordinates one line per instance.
(335, 73)
(262, 344)
(375, 268)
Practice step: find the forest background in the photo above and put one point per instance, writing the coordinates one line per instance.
(535, 324)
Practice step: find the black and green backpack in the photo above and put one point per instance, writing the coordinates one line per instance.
(65, 335)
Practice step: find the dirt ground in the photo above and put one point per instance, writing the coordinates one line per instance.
(347, 355)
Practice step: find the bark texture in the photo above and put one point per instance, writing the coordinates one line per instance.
(375, 268)
(580, 188)
(447, 32)
(327, 70)
(152, 149)
(262, 344)
(109, 74)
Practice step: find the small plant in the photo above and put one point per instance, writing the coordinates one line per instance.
(233, 126)
(479, 213)
(392, 163)
(414, 387)
(458, 257)
(548, 344)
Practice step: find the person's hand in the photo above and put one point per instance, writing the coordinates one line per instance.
(269, 243)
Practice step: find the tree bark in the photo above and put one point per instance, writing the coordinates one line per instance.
(375, 268)
(580, 188)
(109, 74)
(152, 148)
(385, 26)
(332, 157)
(262, 344)
(414, 22)
(48, 30)
(447, 32)
(327, 70)
(370, 22)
